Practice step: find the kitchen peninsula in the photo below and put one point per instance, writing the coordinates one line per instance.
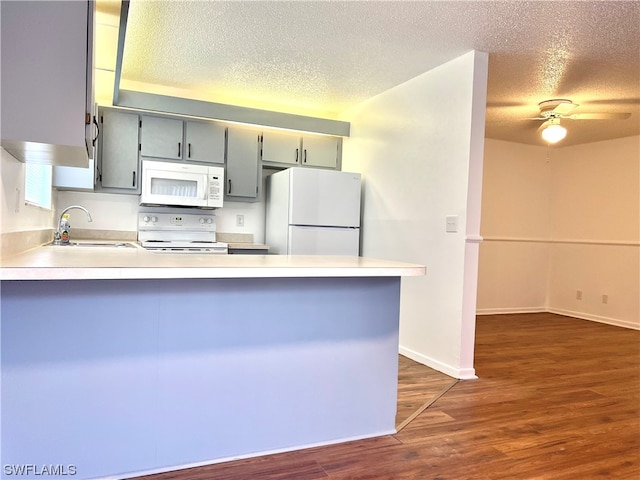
(120, 361)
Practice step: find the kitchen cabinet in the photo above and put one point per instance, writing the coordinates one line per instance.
(161, 137)
(74, 178)
(281, 148)
(320, 151)
(47, 81)
(290, 149)
(204, 142)
(118, 161)
(174, 139)
(242, 164)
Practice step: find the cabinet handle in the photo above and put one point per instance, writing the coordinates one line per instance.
(189, 150)
(179, 149)
(297, 155)
(305, 156)
(229, 180)
(95, 122)
(134, 179)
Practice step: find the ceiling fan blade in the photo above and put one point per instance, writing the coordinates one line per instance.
(615, 101)
(537, 118)
(598, 116)
(564, 108)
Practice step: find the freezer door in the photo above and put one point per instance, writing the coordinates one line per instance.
(323, 241)
(324, 198)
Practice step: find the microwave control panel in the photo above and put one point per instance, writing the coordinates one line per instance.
(216, 182)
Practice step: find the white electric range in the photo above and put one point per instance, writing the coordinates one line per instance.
(192, 232)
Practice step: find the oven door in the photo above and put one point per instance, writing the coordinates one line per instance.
(174, 184)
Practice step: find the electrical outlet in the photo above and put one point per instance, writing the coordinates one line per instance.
(578, 294)
(605, 298)
(239, 220)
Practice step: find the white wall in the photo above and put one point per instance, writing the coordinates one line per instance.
(595, 195)
(15, 215)
(120, 212)
(516, 202)
(108, 211)
(414, 145)
(561, 220)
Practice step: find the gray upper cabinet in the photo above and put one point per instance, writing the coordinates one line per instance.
(118, 164)
(74, 178)
(281, 148)
(320, 151)
(174, 139)
(243, 164)
(47, 81)
(204, 142)
(161, 138)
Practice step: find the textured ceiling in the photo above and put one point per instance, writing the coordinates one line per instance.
(322, 57)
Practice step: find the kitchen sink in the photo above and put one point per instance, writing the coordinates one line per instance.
(95, 244)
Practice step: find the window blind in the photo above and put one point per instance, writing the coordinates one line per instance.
(37, 185)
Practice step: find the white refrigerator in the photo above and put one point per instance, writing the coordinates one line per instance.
(312, 211)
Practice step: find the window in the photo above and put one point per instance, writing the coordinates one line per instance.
(37, 185)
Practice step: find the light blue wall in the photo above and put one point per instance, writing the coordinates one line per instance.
(128, 376)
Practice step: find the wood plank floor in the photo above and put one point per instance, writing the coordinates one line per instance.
(557, 398)
(418, 386)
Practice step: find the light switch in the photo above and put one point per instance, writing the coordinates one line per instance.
(452, 224)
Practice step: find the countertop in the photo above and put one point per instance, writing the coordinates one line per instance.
(240, 241)
(86, 263)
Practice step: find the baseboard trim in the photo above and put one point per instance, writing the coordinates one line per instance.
(459, 373)
(559, 311)
(244, 456)
(595, 318)
(507, 310)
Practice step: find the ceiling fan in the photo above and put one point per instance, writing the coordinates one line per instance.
(552, 111)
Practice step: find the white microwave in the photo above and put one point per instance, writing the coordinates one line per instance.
(181, 184)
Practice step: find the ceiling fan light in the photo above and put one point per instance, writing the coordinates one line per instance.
(554, 133)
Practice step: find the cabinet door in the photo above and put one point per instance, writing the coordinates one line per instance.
(161, 138)
(205, 142)
(46, 93)
(91, 107)
(74, 178)
(281, 148)
(242, 164)
(119, 150)
(320, 151)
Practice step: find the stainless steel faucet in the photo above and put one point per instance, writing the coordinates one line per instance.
(58, 234)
